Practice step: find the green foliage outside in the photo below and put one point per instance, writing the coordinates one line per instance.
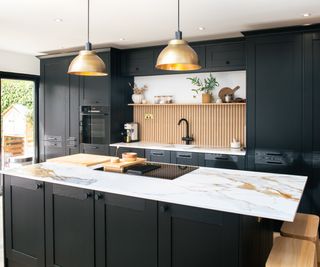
(16, 92)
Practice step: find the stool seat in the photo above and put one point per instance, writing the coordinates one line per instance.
(304, 226)
(290, 252)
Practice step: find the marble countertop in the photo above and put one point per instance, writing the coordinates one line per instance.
(185, 148)
(265, 195)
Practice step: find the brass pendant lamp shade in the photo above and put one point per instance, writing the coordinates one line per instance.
(87, 63)
(178, 55)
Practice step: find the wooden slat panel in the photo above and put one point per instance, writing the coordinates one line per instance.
(211, 125)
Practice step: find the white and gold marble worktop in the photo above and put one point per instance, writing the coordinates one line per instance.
(184, 148)
(265, 195)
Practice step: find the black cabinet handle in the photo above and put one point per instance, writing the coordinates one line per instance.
(137, 68)
(157, 154)
(87, 195)
(221, 158)
(275, 162)
(39, 186)
(94, 147)
(98, 196)
(164, 208)
(184, 156)
(227, 62)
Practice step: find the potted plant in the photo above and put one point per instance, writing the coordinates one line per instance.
(138, 96)
(205, 86)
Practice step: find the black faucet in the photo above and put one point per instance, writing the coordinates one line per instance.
(188, 139)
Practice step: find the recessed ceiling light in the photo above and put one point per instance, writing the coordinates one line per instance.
(201, 28)
(122, 39)
(307, 24)
(306, 14)
(58, 20)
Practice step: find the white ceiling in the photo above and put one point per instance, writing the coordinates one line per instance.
(29, 26)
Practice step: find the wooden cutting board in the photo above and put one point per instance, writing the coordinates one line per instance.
(120, 166)
(82, 159)
(227, 91)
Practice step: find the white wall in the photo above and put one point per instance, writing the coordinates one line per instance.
(178, 86)
(19, 63)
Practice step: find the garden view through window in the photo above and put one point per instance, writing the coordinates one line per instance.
(17, 122)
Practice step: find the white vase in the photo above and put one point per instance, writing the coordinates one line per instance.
(137, 98)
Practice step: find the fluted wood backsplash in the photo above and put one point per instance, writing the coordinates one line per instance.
(210, 124)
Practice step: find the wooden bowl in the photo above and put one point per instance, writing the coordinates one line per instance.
(129, 156)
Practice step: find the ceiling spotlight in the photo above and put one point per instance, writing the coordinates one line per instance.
(306, 15)
(122, 39)
(58, 20)
(201, 28)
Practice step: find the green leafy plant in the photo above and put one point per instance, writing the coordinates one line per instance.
(206, 86)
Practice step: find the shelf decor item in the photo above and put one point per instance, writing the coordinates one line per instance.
(205, 86)
(138, 96)
(178, 55)
(87, 63)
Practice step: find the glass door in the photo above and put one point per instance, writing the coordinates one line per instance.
(18, 120)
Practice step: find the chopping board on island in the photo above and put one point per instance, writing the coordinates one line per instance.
(121, 165)
(81, 159)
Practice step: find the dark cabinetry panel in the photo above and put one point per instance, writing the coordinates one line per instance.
(184, 158)
(117, 153)
(187, 237)
(95, 149)
(96, 90)
(156, 155)
(126, 231)
(24, 222)
(137, 62)
(222, 161)
(69, 224)
(226, 56)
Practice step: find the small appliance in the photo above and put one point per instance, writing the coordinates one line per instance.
(131, 129)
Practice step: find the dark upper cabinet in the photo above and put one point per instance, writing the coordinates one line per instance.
(58, 109)
(184, 158)
(24, 222)
(126, 231)
(226, 56)
(137, 62)
(69, 220)
(96, 90)
(187, 237)
(156, 155)
(222, 161)
(274, 99)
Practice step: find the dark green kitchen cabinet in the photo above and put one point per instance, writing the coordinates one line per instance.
(156, 155)
(69, 221)
(58, 109)
(137, 62)
(223, 161)
(126, 231)
(24, 234)
(185, 158)
(275, 102)
(228, 56)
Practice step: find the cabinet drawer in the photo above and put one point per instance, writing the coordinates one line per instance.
(158, 155)
(222, 161)
(114, 152)
(94, 149)
(222, 57)
(184, 158)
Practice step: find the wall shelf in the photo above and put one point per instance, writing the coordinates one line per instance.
(187, 104)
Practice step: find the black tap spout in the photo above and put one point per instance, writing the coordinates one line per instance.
(187, 138)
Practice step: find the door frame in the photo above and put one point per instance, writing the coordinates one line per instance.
(36, 80)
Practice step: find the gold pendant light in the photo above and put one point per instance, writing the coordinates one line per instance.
(178, 55)
(87, 63)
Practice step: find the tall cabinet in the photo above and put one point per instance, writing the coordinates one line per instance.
(61, 96)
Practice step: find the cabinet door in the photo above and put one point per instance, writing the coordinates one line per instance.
(95, 149)
(69, 219)
(226, 56)
(53, 105)
(137, 62)
(24, 222)
(96, 90)
(184, 158)
(222, 161)
(118, 153)
(126, 231)
(190, 237)
(158, 155)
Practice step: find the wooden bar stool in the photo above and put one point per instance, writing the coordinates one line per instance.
(290, 252)
(304, 226)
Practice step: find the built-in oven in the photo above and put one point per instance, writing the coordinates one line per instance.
(94, 125)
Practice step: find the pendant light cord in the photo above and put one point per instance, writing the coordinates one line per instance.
(88, 25)
(178, 32)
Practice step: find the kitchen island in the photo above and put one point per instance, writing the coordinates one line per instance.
(68, 216)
